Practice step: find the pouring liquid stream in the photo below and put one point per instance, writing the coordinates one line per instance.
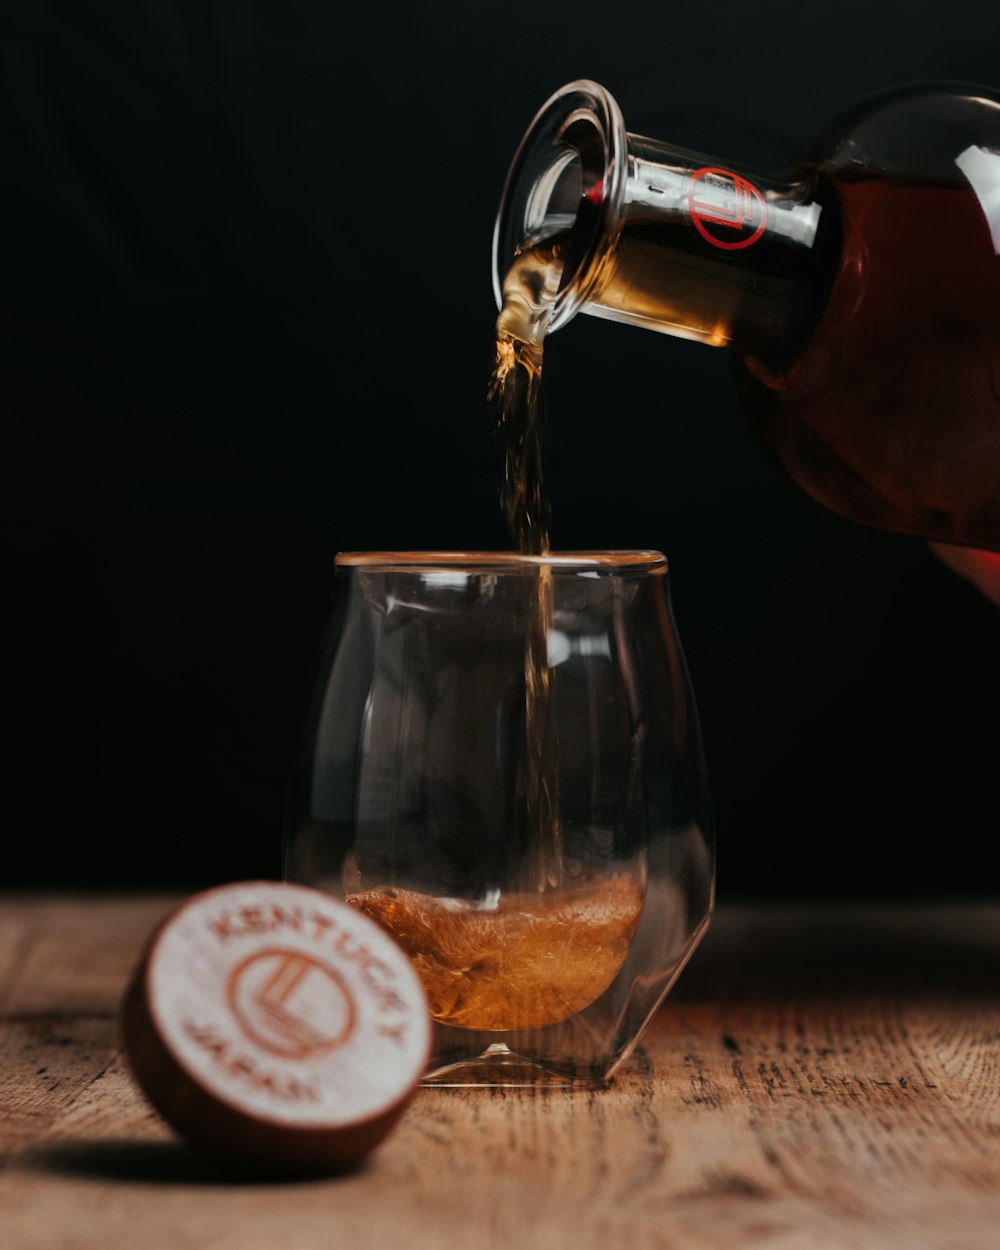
(543, 945)
(515, 388)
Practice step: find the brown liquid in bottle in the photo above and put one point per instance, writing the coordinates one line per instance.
(890, 415)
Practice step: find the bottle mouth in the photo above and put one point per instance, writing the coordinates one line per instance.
(566, 182)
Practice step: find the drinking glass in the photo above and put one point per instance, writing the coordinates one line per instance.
(504, 767)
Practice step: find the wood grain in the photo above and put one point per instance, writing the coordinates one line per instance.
(820, 1079)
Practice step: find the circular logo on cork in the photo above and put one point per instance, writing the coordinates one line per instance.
(290, 1003)
(727, 210)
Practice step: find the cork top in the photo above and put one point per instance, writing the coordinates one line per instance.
(276, 1025)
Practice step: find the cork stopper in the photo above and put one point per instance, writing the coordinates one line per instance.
(277, 1026)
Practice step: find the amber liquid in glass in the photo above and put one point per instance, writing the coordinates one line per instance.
(533, 959)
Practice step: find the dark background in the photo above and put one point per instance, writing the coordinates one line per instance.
(246, 322)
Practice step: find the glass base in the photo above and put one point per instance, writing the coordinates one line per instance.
(499, 1066)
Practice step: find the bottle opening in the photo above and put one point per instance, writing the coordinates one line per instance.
(561, 203)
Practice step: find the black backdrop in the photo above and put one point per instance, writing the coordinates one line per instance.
(246, 323)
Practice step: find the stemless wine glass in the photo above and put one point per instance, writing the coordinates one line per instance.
(504, 767)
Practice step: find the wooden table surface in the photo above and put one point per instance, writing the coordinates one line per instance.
(821, 1077)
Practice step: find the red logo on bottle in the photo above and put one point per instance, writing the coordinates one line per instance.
(727, 210)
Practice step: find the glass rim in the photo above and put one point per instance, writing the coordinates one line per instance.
(631, 559)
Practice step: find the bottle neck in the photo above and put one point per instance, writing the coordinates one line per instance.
(598, 220)
(704, 251)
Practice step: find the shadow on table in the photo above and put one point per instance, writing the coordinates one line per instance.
(788, 951)
(159, 1162)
